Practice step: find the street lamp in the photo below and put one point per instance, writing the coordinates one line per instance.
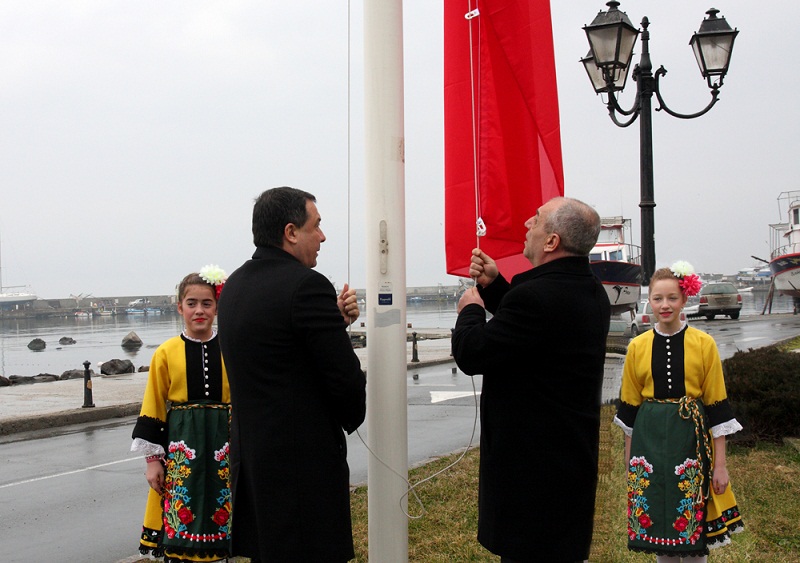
(611, 40)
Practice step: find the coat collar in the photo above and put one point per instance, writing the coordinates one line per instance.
(272, 253)
(568, 265)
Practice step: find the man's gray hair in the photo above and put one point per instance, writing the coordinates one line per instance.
(577, 225)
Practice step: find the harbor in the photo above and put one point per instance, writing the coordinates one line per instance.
(98, 338)
(152, 305)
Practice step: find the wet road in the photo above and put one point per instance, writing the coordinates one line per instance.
(752, 331)
(78, 495)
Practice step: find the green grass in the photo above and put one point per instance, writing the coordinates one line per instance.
(792, 344)
(765, 479)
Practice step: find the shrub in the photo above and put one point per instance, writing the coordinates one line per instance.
(764, 390)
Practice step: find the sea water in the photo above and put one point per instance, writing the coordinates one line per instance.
(99, 339)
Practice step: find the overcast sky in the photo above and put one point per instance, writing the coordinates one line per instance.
(134, 136)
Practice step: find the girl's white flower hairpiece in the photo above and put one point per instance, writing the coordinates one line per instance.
(214, 275)
(689, 281)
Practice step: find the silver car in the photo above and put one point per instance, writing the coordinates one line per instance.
(721, 298)
(644, 319)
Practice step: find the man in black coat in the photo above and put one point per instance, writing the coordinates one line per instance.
(296, 386)
(541, 355)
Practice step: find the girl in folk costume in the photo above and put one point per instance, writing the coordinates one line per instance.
(183, 430)
(675, 413)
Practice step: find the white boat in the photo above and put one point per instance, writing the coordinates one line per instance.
(785, 246)
(617, 264)
(14, 297)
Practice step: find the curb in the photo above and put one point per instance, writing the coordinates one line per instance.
(93, 414)
(68, 417)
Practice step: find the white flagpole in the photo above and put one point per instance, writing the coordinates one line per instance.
(387, 415)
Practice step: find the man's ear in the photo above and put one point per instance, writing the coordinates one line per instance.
(551, 242)
(290, 232)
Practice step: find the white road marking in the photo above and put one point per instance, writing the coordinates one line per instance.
(439, 396)
(69, 472)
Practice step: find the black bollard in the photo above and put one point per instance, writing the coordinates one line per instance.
(414, 355)
(452, 330)
(87, 386)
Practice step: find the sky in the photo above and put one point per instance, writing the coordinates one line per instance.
(135, 136)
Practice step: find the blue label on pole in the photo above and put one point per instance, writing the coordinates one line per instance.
(384, 299)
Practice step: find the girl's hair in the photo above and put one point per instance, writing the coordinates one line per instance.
(663, 274)
(193, 279)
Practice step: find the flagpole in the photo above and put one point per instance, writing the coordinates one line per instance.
(387, 415)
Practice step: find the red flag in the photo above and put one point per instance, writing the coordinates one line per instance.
(516, 155)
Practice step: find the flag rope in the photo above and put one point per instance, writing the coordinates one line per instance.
(472, 18)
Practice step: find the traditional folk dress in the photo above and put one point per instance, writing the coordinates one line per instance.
(185, 417)
(673, 403)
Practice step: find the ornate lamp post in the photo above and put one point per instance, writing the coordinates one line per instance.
(611, 40)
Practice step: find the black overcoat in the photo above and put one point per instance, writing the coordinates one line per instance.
(541, 355)
(296, 384)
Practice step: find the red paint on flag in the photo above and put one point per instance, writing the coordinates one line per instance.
(517, 128)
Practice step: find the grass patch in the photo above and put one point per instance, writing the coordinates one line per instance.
(765, 478)
(792, 344)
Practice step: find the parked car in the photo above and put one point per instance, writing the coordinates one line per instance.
(720, 298)
(137, 303)
(621, 324)
(692, 308)
(644, 319)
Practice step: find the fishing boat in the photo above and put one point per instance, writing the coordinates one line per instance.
(617, 263)
(785, 246)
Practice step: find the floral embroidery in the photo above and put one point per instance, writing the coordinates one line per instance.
(177, 502)
(690, 510)
(638, 480)
(223, 514)
(691, 514)
(177, 513)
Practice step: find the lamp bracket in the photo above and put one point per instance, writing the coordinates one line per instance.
(614, 109)
(663, 105)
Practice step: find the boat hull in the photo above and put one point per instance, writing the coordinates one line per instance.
(14, 298)
(622, 282)
(786, 274)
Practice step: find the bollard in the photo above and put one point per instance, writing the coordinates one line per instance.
(87, 386)
(414, 355)
(452, 330)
